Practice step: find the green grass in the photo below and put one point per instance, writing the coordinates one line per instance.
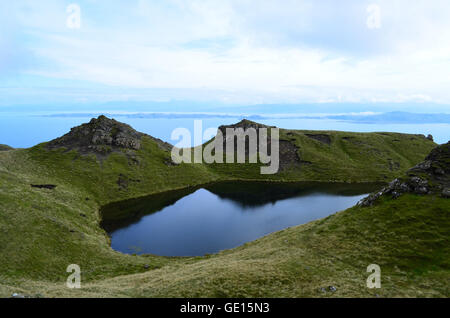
(351, 157)
(43, 231)
(5, 147)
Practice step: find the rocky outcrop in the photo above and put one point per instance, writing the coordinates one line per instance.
(102, 136)
(289, 152)
(245, 124)
(429, 177)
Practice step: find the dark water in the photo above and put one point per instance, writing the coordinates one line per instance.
(198, 221)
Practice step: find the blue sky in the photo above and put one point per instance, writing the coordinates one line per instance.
(232, 52)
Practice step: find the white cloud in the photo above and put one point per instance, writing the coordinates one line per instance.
(265, 52)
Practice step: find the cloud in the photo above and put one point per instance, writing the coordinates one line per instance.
(243, 52)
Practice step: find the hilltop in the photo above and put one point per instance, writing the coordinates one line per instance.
(102, 136)
(5, 148)
(407, 236)
(335, 155)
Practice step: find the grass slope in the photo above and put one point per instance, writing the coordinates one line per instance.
(43, 231)
(5, 147)
(350, 157)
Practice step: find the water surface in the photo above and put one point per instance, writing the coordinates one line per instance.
(27, 130)
(209, 219)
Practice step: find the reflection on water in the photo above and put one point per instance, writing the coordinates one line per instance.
(197, 221)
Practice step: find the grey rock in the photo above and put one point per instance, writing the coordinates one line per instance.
(404, 187)
(332, 289)
(446, 193)
(393, 184)
(421, 190)
(424, 165)
(102, 136)
(429, 177)
(396, 195)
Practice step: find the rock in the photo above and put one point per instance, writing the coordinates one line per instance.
(332, 289)
(102, 136)
(323, 290)
(430, 137)
(394, 183)
(421, 190)
(97, 134)
(429, 177)
(16, 295)
(446, 193)
(146, 266)
(439, 171)
(170, 163)
(423, 165)
(403, 187)
(288, 151)
(396, 195)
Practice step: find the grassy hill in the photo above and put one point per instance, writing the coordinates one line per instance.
(44, 230)
(5, 147)
(337, 156)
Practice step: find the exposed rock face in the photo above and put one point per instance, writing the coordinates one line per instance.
(245, 124)
(446, 193)
(429, 177)
(102, 136)
(288, 151)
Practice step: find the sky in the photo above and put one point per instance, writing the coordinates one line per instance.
(232, 52)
